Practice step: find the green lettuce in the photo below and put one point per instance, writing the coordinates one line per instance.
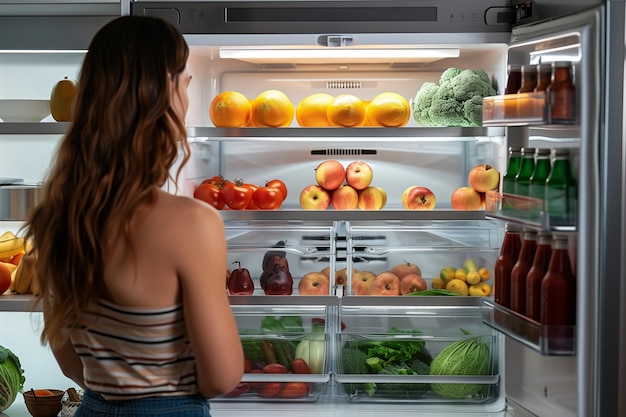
(11, 378)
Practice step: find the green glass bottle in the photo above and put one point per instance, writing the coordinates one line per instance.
(508, 179)
(522, 179)
(540, 173)
(561, 194)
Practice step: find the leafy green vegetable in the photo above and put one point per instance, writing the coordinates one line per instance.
(464, 357)
(387, 357)
(11, 377)
(455, 101)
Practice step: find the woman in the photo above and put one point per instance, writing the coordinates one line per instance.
(132, 277)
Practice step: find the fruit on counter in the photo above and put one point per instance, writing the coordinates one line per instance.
(312, 349)
(455, 101)
(211, 194)
(314, 283)
(277, 281)
(372, 198)
(240, 282)
(25, 280)
(385, 283)
(10, 245)
(272, 108)
(412, 283)
(417, 197)
(230, 109)
(330, 174)
(362, 282)
(314, 197)
(346, 110)
(62, 100)
(359, 175)
(311, 110)
(388, 109)
(464, 357)
(405, 268)
(344, 198)
(465, 198)
(484, 178)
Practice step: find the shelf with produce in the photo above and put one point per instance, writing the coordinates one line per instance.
(546, 340)
(523, 210)
(394, 353)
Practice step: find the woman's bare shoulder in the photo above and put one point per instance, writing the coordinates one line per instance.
(185, 212)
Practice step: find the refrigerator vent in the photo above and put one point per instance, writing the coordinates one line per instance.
(338, 85)
(343, 152)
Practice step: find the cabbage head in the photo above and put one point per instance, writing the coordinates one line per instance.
(11, 378)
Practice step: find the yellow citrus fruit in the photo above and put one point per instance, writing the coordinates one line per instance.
(311, 111)
(230, 109)
(388, 109)
(272, 108)
(458, 286)
(346, 110)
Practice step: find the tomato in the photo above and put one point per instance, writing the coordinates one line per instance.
(275, 368)
(216, 179)
(252, 205)
(211, 194)
(294, 390)
(267, 198)
(276, 183)
(236, 195)
(299, 366)
(270, 389)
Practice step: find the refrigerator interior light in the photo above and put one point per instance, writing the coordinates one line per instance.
(344, 55)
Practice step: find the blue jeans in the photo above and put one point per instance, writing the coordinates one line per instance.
(94, 405)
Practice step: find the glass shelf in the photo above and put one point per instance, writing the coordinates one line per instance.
(523, 210)
(547, 340)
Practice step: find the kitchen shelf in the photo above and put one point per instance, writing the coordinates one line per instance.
(301, 216)
(546, 340)
(289, 134)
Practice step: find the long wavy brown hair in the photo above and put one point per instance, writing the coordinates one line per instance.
(122, 143)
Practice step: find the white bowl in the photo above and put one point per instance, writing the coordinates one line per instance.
(24, 110)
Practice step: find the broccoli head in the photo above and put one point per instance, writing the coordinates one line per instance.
(456, 101)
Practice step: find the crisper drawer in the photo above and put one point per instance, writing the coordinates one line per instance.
(280, 258)
(426, 353)
(455, 255)
(287, 347)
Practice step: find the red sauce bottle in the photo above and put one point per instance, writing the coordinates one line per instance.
(520, 271)
(558, 298)
(536, 274)
(509, 253)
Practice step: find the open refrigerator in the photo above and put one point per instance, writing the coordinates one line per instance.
(526, 377)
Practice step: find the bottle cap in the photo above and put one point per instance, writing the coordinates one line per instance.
(542, 151)
(514, 149)
(528, 151)
(544, 67)
(561, 64)
(560, 151)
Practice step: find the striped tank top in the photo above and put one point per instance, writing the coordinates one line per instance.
(135, 352)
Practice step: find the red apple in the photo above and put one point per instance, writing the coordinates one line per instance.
(417, 197)
(412, 283)
(385, 283)
(314, 283)
(372, 198)
(362, 282)
(314, 197)
(483, 178)
(344, 198)
(359, 174)
(330, 174)
(465, 198)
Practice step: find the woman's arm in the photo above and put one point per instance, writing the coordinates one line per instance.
(212, 328)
